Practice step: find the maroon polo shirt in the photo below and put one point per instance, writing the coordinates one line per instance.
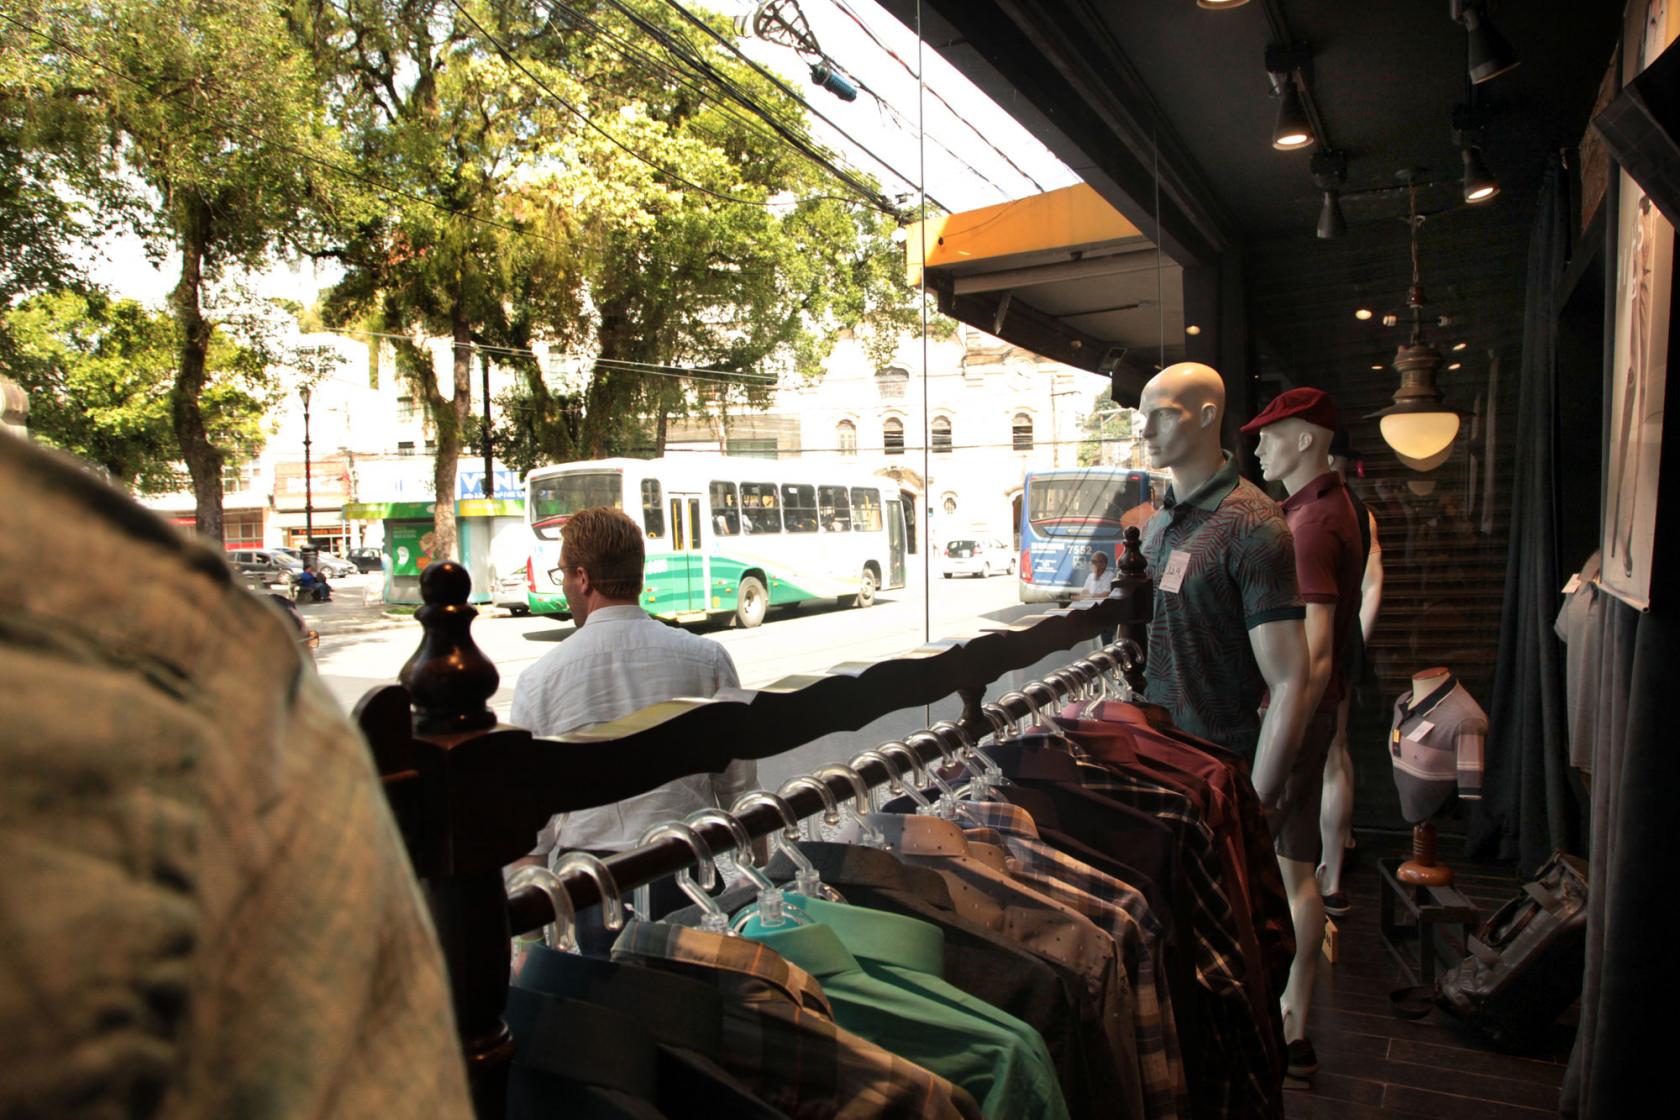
(1329, 563)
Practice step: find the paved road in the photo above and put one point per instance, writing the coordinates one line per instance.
(792, 640)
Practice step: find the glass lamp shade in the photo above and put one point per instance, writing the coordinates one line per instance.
(1424, 466)
(1419, 435)
(1217, 5)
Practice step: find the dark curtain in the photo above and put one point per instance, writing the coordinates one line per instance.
(1529, 808)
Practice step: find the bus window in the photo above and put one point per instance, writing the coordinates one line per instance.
(759, 507)
(799, 508)
(557, 497)
(653, 513)
(726, 510)
(867, 504)
(833, 509)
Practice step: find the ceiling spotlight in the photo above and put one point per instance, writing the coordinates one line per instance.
(1329, 171)
(1292, 130)
(1192, 329)
(1489, 54)
(1363, 313)
(1457, 346)
(1480, 185)
(1378, 365)
(1456, 365)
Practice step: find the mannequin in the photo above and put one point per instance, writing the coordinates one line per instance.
(1295, 432)
(1436, 745)
(1336, 819)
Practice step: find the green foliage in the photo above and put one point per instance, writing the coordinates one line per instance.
(98, 373)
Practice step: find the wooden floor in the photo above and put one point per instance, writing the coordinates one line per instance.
(1374, 1064)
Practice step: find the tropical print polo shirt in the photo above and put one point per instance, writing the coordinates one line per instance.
(1233, 563)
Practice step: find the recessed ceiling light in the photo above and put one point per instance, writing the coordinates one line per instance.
(1378, 365)
(1457, 346)
(1363, 313)
(1192, 329)
(1456, 365)
(1391, 319)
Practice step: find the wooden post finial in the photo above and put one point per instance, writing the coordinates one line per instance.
(449, 678)
(1131, 580)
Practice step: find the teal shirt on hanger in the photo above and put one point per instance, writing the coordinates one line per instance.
(883, 975)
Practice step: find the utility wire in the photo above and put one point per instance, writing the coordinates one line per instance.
(783, 86)
(851, 14)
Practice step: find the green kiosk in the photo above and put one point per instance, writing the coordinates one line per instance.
(486, 526)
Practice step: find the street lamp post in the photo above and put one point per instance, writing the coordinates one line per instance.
(308, 477)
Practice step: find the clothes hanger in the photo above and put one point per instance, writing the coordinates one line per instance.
(858, 808)
(712, 919)
(612, 899)
(805, 878)
(831, 806)
(897, 784)
(910, 777)
(946, 803)
(770, 906)
(558, 934)
(981, 771)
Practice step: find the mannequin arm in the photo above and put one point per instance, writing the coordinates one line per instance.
(1281, 650)
(1371, 587)
(1321, 649)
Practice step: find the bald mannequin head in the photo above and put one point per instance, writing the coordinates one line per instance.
(1181, 409)
(1293, 451)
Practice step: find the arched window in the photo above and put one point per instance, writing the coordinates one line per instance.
(941, 435)
(1021, 432)
(892, 435)
(845, 434)
(950, 503)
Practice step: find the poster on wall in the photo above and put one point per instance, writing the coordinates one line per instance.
(1644, 276)
(410, 544)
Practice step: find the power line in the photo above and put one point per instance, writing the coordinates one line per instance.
(783, 86)
(851, 14)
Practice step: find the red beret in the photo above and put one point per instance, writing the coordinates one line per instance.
(1312, 405)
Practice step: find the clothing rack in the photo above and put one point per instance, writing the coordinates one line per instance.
(470, 795)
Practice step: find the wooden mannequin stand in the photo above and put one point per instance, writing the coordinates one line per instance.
(1423, 889)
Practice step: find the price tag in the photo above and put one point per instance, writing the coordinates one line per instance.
(1573, 585)
(1421, 730)
(1177, 564)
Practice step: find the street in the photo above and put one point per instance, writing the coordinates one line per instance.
(358, 655)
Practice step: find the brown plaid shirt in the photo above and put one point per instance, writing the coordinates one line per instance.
(780, 1036)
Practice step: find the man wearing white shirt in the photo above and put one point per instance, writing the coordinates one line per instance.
(619, 661)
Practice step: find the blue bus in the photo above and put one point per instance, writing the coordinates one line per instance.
(1068, 514)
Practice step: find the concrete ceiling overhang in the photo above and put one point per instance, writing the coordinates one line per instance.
(1062, 274)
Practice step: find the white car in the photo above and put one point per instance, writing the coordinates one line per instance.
(977, 556)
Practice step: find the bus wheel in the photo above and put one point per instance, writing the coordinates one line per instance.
(866, 590)
(751, 601)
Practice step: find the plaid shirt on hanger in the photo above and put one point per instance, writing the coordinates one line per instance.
(1120, 911)
(780, 1036)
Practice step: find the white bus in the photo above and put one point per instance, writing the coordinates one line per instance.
(727, 536)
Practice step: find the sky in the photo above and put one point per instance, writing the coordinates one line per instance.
(962, 165)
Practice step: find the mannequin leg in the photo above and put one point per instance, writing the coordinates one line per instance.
(1306, 907)
(1336, 815)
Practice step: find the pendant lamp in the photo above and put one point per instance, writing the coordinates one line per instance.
(1417, 426)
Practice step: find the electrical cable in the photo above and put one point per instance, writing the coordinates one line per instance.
(783, 86)
(848, 11)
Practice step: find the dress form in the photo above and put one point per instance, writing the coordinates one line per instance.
(1422, 870)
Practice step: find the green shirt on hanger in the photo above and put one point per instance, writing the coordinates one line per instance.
(882, 973)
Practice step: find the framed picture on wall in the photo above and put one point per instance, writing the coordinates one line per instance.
(1639, 370)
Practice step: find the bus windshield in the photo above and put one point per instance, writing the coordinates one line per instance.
(556, 498)
(1081, 505)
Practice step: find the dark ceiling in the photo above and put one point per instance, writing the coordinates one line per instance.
(1164, 108)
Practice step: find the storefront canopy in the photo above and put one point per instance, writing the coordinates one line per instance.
(419, 511)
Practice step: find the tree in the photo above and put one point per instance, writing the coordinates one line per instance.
(213, 143)
(1107, 427)
(99, 371)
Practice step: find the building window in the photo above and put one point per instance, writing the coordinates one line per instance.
(941, 435)
(846, 435)
(407, 412)
(405, 447)
(950, 503)
(892, 383)
(751, 448)
(1022, 432)
(892, 436)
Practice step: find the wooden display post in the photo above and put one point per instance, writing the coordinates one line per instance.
(1423, 889)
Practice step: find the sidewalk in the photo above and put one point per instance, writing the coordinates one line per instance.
(356, 607)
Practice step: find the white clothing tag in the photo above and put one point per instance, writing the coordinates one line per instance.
(1421, 730)
(1177, 564)
(1573, 585)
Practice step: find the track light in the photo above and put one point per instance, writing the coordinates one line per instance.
(1331, 224)
(1292, 130)
(1480, 184)
(1489, 55)
(1329, 171)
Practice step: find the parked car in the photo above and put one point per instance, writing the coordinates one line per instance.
(367, 559)
(325, 562)
(264, 567)
(977, 556)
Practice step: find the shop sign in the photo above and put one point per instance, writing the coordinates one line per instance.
(329, 483)
(469, 483)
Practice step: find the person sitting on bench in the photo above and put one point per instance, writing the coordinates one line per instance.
(313, 585)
